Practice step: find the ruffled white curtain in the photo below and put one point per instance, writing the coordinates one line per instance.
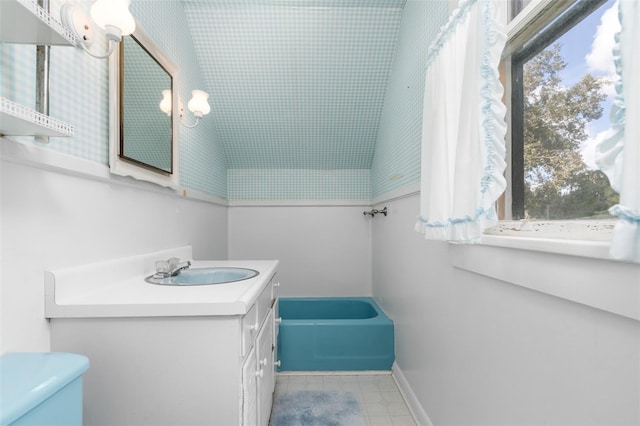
(618, 155)
(463, 133)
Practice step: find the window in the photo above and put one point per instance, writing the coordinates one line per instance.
(516, 7)
(561, 78)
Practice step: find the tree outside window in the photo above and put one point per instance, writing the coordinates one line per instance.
(560, 103)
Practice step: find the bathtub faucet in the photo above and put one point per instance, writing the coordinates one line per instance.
(170, 267)
(374, 212)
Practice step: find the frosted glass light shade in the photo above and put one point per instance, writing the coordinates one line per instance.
(166, 102)
(198, 104)
(113, 13)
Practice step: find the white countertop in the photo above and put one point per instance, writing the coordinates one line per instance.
(98, 290)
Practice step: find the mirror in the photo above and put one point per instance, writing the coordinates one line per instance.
(145, 132)
(143, 141)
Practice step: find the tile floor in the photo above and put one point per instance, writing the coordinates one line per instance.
(380, 400)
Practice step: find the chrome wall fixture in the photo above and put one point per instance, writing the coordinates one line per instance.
(374, 212)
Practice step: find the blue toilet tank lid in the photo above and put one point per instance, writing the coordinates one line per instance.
(29, 378)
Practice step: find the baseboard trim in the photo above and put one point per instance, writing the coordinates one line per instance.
(417, 411)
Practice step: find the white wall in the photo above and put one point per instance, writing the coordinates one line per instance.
(476, 350)
(52, 220)
(323, 250)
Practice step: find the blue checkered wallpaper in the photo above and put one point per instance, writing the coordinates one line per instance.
(396, 162)
(203, 164)
(79, 93)
(318, 100)
(287, 184)
(17, 80)
(299, 87)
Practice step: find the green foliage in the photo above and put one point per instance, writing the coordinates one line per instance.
(558, 184)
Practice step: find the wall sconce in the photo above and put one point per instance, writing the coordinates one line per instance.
(166, 102)
(198, 105)
(112, 16)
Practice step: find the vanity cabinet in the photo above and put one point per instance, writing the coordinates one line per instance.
(265, 375)
(176, 370)
(250, 389)
(258, 378)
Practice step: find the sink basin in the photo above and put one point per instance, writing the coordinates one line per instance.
(205, 276)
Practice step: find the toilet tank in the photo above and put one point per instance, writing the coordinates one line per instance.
(41, 388)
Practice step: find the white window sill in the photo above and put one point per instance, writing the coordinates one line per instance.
(582, 248)
(576, 270)
(573, 238)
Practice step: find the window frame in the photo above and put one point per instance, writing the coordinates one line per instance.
(525, 33)
(552, 31)
(574, 254)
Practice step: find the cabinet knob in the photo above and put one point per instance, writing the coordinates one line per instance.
(278, 320)
(263, 362)
(254, 327)
(277, 363)
(260, 373)
(276, 284)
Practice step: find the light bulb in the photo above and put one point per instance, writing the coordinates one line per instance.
(165, 103)
(198, 104)
(114, 14)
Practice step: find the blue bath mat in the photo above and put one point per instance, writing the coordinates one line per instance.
(316, 408)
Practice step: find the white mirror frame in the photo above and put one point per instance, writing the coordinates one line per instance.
(116, 164)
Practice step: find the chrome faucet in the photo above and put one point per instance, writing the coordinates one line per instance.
(170, 267)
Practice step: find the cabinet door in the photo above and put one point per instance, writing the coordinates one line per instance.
(250, 327)
(276, 329)
(266, 378)
(249, 390)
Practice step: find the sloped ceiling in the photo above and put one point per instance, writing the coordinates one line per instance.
(295, 84)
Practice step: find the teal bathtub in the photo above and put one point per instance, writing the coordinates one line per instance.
(334, 334)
